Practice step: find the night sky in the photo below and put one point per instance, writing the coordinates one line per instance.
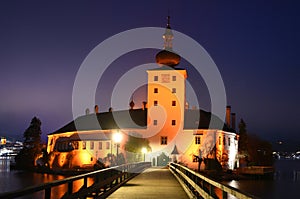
(255, 45)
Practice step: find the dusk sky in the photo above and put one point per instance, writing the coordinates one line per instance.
(255, 45)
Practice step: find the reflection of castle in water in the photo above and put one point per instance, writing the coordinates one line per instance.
(175, 132)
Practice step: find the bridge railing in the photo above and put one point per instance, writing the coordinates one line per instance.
(203, 187)
(105, 181)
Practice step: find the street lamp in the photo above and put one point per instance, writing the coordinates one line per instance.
(144, 151)
(117, 138)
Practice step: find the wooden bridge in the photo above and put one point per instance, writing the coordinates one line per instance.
(138, 180)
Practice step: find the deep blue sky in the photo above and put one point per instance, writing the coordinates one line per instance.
(254, 44)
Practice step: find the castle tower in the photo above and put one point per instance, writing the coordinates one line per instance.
(166, 94)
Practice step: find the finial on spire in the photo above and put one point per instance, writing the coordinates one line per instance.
(168, 23)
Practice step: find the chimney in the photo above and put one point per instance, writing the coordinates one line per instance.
(110, 109)
(228, 110)
(131, 104)
(144, 105)
(233, 120)
(96, 109)
(87, 111)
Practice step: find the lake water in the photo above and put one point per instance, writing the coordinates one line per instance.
(285, 184)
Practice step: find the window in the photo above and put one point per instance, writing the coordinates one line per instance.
(173, 90)
(174, 78)
(197, 140)
(75, 144)
(156, 78)
(91, 145)
(155, 103)
(164, 140)
(173, 122)
(64, 146)
(100, 146)
(224, 140)
(107, 145)
(229, 141)
(84, 145)
(155, 90)
(155, 122)
(173, 103)
(219, 140)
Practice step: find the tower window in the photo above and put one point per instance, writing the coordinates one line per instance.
(155, 122)
(174, 78)
(91, 145)
(83, 145)
(155, 103)
(155, 78)
(228, 141)
(219, 140)
(100, 146)
(173, 90)
(165, 78)
(224, 140)
(173, 122)
(164, 140)
(173, 103)
(197, 140)
(155, 90)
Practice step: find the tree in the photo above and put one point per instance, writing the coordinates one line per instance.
(255, 150)
(243, 137)
(134, 147)
(32, 146)
(260, 151)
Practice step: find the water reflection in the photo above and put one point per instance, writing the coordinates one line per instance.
(11, 180)
(285, 183)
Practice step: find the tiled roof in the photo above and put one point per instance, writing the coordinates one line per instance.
(137, 119)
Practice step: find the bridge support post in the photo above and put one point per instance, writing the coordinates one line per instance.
(224, 195)
(85, 182)
(70, 188)
(48, 193)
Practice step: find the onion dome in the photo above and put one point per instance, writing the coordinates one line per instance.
(167, 56)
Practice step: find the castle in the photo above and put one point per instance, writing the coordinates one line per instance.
(172, 130)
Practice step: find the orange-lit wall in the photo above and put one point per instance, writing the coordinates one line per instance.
(165, 111)
(83, 158)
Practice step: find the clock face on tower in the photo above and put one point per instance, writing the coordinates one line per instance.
(165, 78)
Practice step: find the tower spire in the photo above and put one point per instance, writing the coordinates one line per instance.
(168, 23)
(168, 36)
(167, 56)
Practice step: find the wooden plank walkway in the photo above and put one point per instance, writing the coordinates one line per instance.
(152, 183)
